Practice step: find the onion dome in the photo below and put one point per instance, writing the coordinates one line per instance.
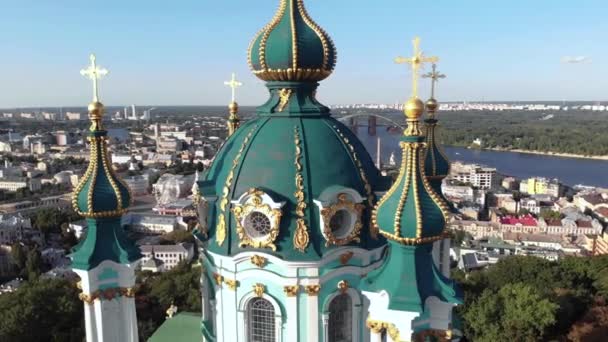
(292, 47)
(100, 193)
(436, 163)
(101, 196)
(411, 212)
(292, 181)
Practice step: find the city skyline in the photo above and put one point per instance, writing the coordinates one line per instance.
(494, 54)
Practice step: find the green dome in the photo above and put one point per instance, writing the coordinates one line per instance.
(436, 163)
(100, 193)
(298, 162)
(411, 212)
(292, 47)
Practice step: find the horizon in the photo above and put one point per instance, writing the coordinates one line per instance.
(487, 53)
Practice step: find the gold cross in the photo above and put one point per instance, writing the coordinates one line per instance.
(434, 76)
(416, 62)
(94, 73)
(233, 83)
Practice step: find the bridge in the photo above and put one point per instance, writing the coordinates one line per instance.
(372, 122)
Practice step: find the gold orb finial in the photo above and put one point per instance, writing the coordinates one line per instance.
(414, 108)
(431, 106)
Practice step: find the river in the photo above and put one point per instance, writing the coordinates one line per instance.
(570, 171)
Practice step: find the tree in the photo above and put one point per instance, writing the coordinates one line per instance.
(46, 310)
(517, 312)
(19, 256)
(33, 265)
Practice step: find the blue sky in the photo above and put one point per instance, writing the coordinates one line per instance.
(181, 51)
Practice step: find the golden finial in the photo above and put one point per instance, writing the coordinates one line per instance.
(233, 107)
(233, 84)
(414, 107)
(94, 73)
(435, 76)
(416, 62)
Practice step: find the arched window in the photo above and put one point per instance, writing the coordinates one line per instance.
(340, 319)
(261, 321)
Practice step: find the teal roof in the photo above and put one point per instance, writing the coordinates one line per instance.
(411, 212)
(100, 193)
(436, 164)
(102, 198)
(409, 276)
(261, 155)
(105, 240)
(292, 41)
(183, 327)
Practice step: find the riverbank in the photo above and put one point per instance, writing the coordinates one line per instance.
(552, 154)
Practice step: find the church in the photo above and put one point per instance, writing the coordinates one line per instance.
(301, 237)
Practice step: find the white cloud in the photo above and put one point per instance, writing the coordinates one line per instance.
(575, 59)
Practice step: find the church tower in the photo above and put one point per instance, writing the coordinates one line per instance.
(105, 259)
(410, 298)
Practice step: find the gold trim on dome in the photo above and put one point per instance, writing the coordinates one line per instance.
(301, 237)
(284, 97)
(289, 74)
(258, 260)
(312, 290)
(412, 164)
(254, 204)
(368, 188)
(323, 36)
(221, 230)
(259, 289)
(355, 209)
(107, 294)
(294, 37)
(291, 290)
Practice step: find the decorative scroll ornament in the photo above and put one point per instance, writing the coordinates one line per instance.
(377, 327)
(291, 290)
(107, 294)
(258, 260)
(284, 96)
(218, 279)
(254, 204)
(301, 237)
(354, 209)
(259, 289)
(220, 235)
(231, 283)
(312, 290)
(373, 232)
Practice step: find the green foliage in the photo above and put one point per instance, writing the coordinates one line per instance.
(551, 215)
(46, 310)
(580, 132)
(50, 220)
(33, 265)
(157, 292)
(177, 236)
(557, 293)
(517, 312)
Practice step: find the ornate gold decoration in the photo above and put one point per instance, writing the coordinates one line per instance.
(368, 188)
(416, 62)
(301, 237)
(218, 279)
(344, 258)
(284, 96)
(233, 107)
(291, 290)
(377, 327)
(343, 286)
(435, 76)
(294, 73)
(220, 236)
(343, 204)
(107, 294)
(259, 289)
(412, 163)
(254, 204)
(231, 283)
(312, 290)
(258, 260)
